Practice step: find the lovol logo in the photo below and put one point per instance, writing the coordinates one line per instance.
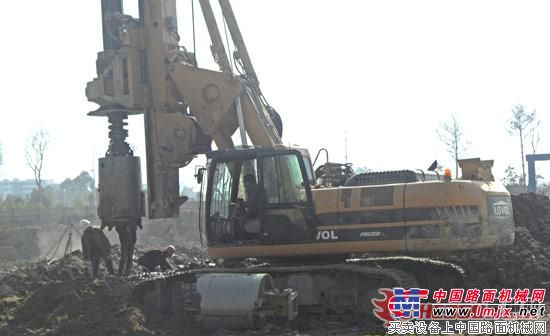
(502, 209)
(326, 235)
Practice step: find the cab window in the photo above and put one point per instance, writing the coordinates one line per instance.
(282, 180)
(221, 190)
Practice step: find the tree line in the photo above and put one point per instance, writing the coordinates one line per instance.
(522, 123)
(80, 191)
(75, 192)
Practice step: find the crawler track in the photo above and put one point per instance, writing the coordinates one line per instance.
(338, 288)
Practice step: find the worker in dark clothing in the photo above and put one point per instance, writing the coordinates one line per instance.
(96, 246)
(127, 236)
(157, 258)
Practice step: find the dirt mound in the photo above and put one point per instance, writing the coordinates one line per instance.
(525, 264)
(533, 212)
(60, 298)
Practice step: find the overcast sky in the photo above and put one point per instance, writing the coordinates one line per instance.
(386, 72)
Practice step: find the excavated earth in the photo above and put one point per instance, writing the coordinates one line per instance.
(60, 298)
(525, 264)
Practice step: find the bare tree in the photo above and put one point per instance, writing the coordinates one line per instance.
(34, 154)
(534, 136)
(520, 124)
(451, 136)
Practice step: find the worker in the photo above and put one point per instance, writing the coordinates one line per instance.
(157, 258)
(127, 234)
(96, 246)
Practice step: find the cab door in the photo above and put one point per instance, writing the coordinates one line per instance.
(285, 192)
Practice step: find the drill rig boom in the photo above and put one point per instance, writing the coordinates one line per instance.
(143, 70)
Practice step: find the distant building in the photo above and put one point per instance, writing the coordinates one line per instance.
(19, 188)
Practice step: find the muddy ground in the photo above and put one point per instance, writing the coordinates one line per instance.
(525, 264)
(60, 298)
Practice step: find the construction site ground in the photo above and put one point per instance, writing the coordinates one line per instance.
(60, 298)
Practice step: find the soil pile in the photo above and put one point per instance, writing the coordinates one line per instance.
(525, 264)
(60, 298)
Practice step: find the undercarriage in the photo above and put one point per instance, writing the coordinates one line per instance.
(247, 297)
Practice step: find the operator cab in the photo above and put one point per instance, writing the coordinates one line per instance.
(257, 196)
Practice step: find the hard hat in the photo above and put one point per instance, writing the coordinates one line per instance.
(84, 222)
(170, 249)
